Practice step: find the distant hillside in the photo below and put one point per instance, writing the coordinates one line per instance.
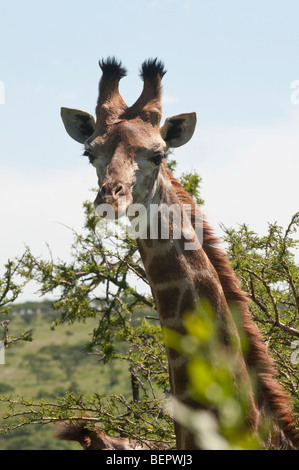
(31, 307)
(54, 363)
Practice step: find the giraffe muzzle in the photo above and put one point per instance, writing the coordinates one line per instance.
(112, 193)
(117, 196)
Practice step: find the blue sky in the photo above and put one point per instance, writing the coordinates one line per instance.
(231, 61)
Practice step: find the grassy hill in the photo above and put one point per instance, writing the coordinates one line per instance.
(54, 363)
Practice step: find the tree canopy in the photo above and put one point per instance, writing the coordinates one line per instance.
(108, 282)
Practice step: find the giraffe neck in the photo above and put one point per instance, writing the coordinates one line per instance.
(177, 267)
(179, 278)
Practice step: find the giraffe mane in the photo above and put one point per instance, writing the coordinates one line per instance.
(270, 392)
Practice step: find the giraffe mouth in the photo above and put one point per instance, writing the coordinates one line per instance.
(110, 208)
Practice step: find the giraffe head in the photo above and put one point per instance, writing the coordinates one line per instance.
(126, 144)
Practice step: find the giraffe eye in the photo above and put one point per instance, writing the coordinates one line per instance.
(89, 155)
(157, 159)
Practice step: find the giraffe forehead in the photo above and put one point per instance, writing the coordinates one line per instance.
(137, 135)
(129, 137)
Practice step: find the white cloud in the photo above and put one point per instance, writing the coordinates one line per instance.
(187, 8)
(166, 99)
(36, 208)
(169, 3)
(151, 5)
(68, 95)
(250, 174)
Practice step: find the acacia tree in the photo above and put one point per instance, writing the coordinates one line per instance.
(99, 282)
(10, 288)
(269, 273)
(110, 285)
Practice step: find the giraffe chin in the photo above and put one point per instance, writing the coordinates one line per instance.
(114, 210)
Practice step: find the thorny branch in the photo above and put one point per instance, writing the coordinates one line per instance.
(7, 340)
(276, 322)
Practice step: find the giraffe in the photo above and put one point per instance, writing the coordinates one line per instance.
(91, 438)
(127, 147)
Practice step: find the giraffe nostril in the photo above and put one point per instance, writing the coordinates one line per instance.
(115, 191)
(118, 190)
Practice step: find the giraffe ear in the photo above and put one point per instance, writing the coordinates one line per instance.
(178, 130)
(78, 124)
